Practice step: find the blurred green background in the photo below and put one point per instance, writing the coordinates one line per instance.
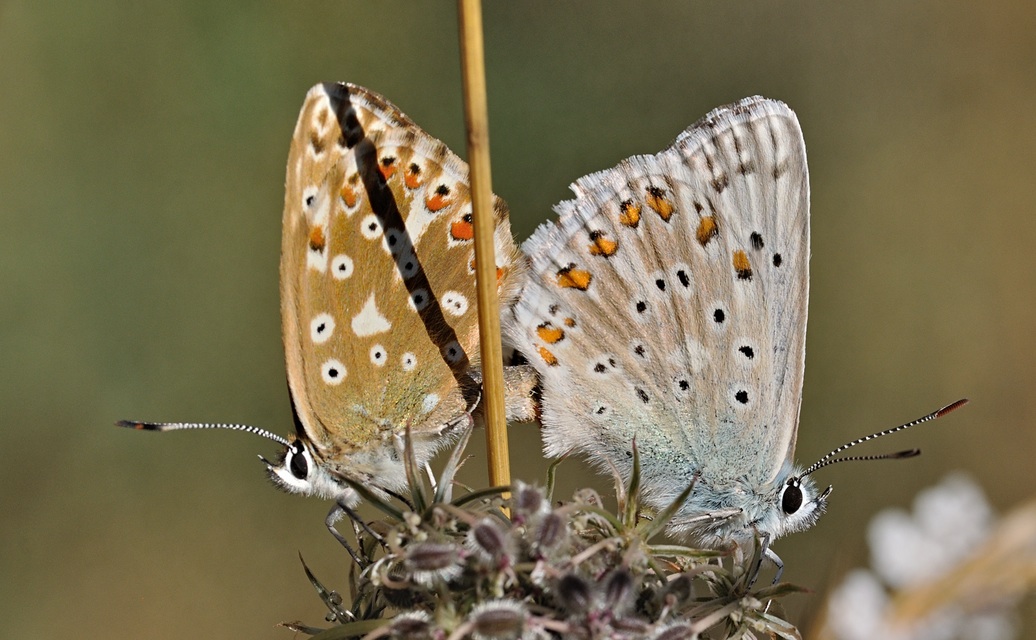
(141, 184)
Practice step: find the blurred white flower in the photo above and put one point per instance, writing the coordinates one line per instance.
(860, 602)
(949, 521)
(920, 561)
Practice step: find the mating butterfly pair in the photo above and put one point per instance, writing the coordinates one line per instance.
(667, 305)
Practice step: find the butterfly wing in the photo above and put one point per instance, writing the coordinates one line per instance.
(668, 304)
(377, 276)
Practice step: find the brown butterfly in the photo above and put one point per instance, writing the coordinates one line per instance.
(377, 297)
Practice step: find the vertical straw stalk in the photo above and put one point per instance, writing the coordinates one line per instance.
(473, 71)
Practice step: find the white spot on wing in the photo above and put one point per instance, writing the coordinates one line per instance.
(369, 320)
(430, 402)
(454, 303)
(409, 361)
(321, 328)
(341, 266)
(309, 199)
(370, 227)
(316, 260)
(378, 355)
(316, 206)
(333, 372)
(419, 219)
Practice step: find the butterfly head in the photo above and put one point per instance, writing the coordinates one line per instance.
(792, 502)
(716, 513)
(794, 506)
(297, 469)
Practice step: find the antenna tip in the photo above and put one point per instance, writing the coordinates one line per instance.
(133, 424)
(951, 407)
(909, 453)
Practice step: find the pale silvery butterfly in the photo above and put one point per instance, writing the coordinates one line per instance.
(377, 296)
(667, 308)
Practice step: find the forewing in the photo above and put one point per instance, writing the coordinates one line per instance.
(377, 274)
(668, 304)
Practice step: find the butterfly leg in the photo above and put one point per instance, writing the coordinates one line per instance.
(690, 522)
(767, 552)
(334, 516)
(776, 560)
(343, 507)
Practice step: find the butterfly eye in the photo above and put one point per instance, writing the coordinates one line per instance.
(792, 498)
(298, 465)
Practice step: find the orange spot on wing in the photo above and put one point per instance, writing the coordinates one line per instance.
(742, 265)
(601, 246)
(570, 322)
(462, 230)
(439, 199)
(548, 357)
(572, 278)
(659, 203)
(707, 230)
(629, 214)
(387, 166)
(435, 203)
(412, 177)
(317, 242)
(549, 333)
(349, 196)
